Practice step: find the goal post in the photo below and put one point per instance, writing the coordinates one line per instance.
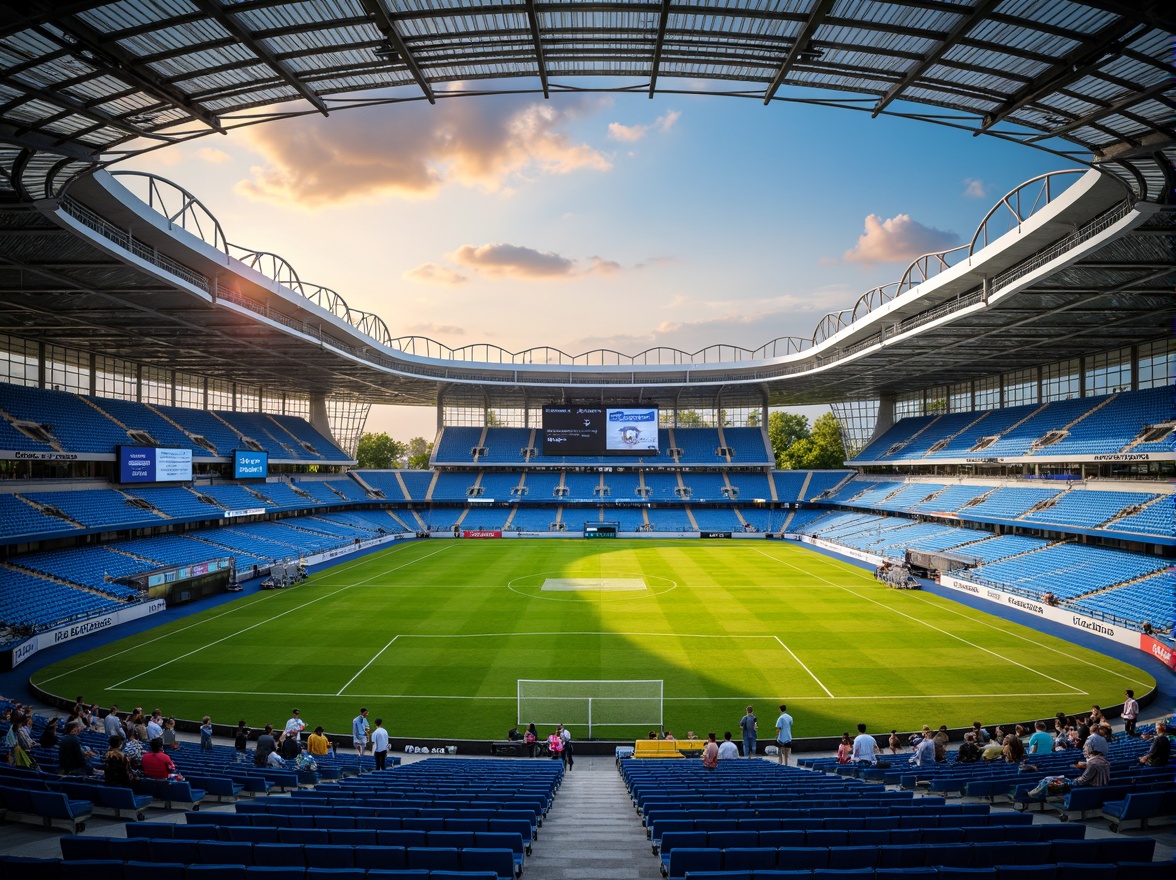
(591, 703)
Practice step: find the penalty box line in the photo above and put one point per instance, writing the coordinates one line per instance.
(246, 629)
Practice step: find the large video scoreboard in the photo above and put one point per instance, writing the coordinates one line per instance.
(600, 430)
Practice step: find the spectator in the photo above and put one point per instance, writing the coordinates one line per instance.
(206, 734)
(749, 725)
(169, 735)
(980, 734)
(1161, 748)
(317, 743)
(133, 747)
(1129, 712)
(49, 735)
(241, 741)
(531, 740)
(265, 745)
(112, 724)
(845, 748)
(117, 768)
(295, 726)
(865, 750)
(380, 744)
(555, 746)
(969, 751)
(1096, 772)
(895, 742)
(924, 755)
(941, 739)
(1013, 751)
(728, 749)
(307, 767)
(710, 753)
(156, 764)
(73, 759)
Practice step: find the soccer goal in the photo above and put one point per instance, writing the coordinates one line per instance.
(594, 704)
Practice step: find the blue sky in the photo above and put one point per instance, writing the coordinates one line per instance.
(591, 221)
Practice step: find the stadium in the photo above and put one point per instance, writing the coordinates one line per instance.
(602, 539)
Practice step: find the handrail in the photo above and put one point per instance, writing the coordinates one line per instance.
(193, 216)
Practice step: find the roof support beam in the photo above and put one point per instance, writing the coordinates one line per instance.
(962, 27)
(1074, 66)
(533, 18)
(1115, 107)
(229, 22)
(112, 59)
(663, 20)
(380, 17)
(816, 17)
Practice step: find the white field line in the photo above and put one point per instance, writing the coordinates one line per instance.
(930, 626)
(365, 666)
(159, 666)
(805, 668)
(233, 607)
(959, 610)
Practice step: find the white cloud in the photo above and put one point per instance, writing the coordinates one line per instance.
(899, 239)
(500, 260)
(975, 188)
(435, 331)
(415, 151)
(433, 273)
(631, 133)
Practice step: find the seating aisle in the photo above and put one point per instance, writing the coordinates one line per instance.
(591, 832)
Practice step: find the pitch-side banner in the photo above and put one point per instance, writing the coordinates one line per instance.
(480, 533)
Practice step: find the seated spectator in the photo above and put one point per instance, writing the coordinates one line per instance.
(1096, 772)
(73, 759)
(169, 735)
(1041, 743)
(669, 736)
(513, 734)
(275, 761)
(845, 748)
(941, 739)
(993, 749)
(317, 743)
(117, 770)
(156, 764)
(133, 747)
(1013, 750)
(969, 751)
(727, 748)
(49, 738)
(981, 735)
(1161, 747)
(924, 755)
(307, 767)
(895, 742)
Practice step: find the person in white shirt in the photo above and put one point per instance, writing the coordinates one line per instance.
(865, 750)
(1129, 712)
(727, 748)
(380, 744)
(295, 726)
(155, 725)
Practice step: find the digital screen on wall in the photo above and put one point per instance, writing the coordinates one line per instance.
(598, 430)
(250, 465)
(153, 464)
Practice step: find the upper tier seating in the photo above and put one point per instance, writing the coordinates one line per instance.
(1084, 426)
(748, 447)
(94, 508)
(32, 601)
(19, 518)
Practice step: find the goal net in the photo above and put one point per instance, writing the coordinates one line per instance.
(594, 704)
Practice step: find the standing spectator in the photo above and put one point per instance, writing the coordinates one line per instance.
(865, 750)
(295, 726)
(1130, 712)
(73, 759)
(112, 724)
(710, 753)
(265, 745)
(531, 739)
(749, 724)
(241, 741)
(380, 744)
(895, 742)
(566, 736)
(206, 734)
(318, 744)
(359, 735)
(727, 748)
(783, 735)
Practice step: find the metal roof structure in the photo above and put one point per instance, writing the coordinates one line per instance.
(85, 84)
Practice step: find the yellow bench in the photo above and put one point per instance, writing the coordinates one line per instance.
(656, 748)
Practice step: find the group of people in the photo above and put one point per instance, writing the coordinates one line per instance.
(558, 743)
(713, 751)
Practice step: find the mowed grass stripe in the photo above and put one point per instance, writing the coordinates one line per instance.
(427, 627)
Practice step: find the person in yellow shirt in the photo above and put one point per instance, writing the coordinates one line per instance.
(317, 743)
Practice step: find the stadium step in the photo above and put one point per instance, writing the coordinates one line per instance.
(591, 831)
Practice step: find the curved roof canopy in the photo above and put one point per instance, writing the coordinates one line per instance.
(93, 81)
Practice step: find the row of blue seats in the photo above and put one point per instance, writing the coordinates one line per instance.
(109, 869)
(449, 857)
(683, 862)
(1063, 871)
(516, 840)
(899, 828)
(353, 830)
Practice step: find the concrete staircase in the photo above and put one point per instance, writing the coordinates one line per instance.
(592, 831)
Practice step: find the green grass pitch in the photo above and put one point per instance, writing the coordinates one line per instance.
(433, 636)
